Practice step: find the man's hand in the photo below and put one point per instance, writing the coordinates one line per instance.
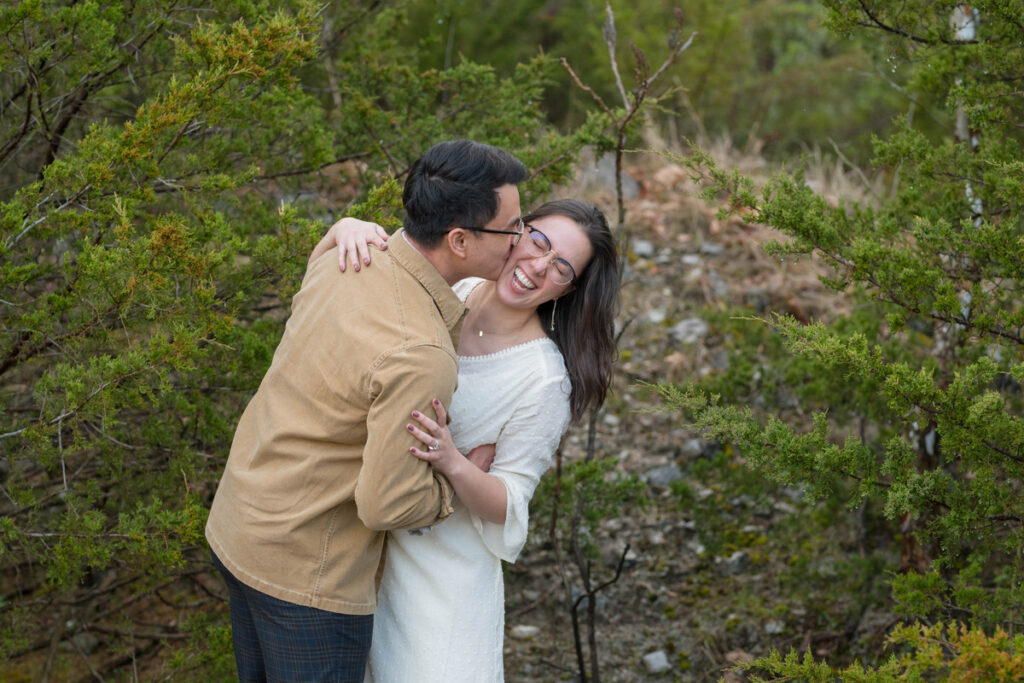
(482, 456)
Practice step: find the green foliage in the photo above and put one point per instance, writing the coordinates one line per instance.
(165, 173)
(912, 397)
(594, 487)
(943, 652)
(766, 70)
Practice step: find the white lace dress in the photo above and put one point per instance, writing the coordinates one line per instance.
(441, 604)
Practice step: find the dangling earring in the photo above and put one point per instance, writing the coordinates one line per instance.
(554, 304)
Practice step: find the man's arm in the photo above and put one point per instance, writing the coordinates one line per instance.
(395, 490)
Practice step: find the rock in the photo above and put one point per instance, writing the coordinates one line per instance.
(643, 248)
(711, 448)
(86, 643)
(826, 568)
(793, 493)
(711, 248)
(663, 476)
(691, 260)
(773, 628)
(738, 657)
(689, 331)
(655, 537)
(873, 625)
(735, 564)
(524, 632)
(669, 176)
(603, 174)
(656, 662)
(657, 316)
(610, 420)
(692, 448)
(719, 287)
(784, 507)
(530, 595)
(757, 298)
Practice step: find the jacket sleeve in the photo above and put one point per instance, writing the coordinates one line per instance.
(395, 489)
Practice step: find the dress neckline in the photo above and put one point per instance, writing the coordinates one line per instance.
(508, 350)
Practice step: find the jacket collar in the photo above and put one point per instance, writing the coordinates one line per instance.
(452, 310)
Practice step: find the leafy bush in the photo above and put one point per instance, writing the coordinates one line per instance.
(943, 652)
(915, 395)
(166, 171)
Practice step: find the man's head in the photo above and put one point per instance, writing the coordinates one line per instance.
(464, 193)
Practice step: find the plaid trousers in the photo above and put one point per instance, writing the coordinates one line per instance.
(281, 642)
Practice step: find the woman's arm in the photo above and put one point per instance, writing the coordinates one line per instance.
(484, 495)
(352, 237)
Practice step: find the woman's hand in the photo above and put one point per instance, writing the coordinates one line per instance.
(352, 237)
(439, 449)
(482, 493)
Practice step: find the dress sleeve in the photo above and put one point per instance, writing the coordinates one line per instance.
(522, 455)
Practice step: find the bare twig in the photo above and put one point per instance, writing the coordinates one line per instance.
(609, 40)
(587, 88)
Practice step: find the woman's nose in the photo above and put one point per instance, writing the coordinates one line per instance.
(540, 264)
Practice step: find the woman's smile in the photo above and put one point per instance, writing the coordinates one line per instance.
(520, 278)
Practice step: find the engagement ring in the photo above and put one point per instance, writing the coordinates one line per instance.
(434, 446)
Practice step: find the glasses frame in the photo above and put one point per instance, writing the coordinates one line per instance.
(516, 234)
(550, 250)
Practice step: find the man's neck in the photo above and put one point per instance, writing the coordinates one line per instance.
(436, 259)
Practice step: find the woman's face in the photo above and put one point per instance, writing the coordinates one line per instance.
(531, 276)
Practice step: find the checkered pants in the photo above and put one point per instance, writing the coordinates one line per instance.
(281, 642)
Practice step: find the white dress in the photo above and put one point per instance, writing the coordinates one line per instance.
(441, 604)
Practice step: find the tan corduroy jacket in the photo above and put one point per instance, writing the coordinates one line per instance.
(320, 464)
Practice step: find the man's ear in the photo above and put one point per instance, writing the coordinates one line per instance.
(457, 238)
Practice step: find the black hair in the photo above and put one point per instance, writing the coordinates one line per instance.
(455, 184)
(584, 317)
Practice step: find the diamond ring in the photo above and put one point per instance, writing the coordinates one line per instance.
(434, 446)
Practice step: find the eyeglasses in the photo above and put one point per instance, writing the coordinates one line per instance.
(539, 245)
(516, 232)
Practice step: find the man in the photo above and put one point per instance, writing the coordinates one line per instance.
(320, 465)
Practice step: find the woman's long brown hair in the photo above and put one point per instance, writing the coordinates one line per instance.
(585, 315)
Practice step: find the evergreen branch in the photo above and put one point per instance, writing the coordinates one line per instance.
(320, 167)
(12, 143)
(71, 413)
(358, 19)
(89, 85)
(548, 164)
(886, 295)
(878, 23)
(1006, 518)
(890, 297)
(936, 412)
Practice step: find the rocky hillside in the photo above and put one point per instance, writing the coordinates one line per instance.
(722, 565)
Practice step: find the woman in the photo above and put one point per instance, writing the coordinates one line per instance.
(536, 348)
